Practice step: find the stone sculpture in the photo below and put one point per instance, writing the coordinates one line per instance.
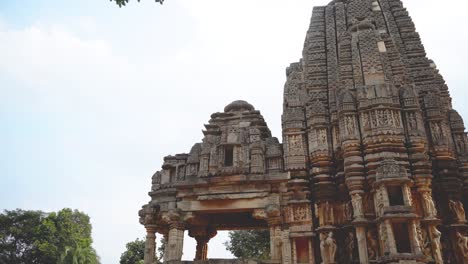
(458, 211)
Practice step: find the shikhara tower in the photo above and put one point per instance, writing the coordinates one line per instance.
(373, 167)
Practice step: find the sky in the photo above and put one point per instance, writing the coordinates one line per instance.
(94, 96)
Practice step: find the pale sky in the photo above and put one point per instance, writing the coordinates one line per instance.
(94, 96)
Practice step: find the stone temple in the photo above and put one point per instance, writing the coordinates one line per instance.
(373, 164)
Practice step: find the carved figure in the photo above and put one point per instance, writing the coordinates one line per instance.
(437, 133)
(357, 204)
(350, 126)
(436, 246)
(458, 211)
(322, 137)
(327, 248)
(412, 123)
(428, 204)
(372, 245)
(425, 242)
(350, 245)
(462, 242)
(460, 144)
(365, 121)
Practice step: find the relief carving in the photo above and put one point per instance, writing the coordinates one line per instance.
(295, 145)
(356, 199)
(350, 125)
(425, 242)
(412, 122)
(372, 244)
(462, 243)
(436, 246)
(428, 204)
(328, 248)
(350, 245)
(460, 144)
(458, 211)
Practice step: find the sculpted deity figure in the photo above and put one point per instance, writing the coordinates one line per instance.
(436, 246)
(428, 205)
(365, 121)
(437, 132)
(357, 204)
(350, 245)
(412, 123)
(372, 245)
(322, 137)
(350, 126)
(424, 241)
(327, 248)
(462, 242)
(458, 211)
(460, 144)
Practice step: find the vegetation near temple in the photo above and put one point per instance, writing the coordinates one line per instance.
(249, 244)
(30, 237)
(135, 252)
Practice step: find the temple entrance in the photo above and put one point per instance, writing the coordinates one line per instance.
(205, 226)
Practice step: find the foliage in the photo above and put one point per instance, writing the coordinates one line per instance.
(121, 3)
(135, 252)
(249, 244)
(36, 237)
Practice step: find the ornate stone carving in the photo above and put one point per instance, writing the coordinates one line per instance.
(328, 247)
(350, 243)
(436, 246)
(372, 245)
(462, 243)
(424, 241)
(428, 204)
(458, 211)
(356, 199)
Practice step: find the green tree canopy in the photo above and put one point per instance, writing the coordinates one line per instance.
(135, 252)
(32, 237)
(249, 244)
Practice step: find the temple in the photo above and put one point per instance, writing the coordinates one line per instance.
(373, 164)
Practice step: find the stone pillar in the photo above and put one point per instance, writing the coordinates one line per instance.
(150, 245)
(359, 221)
(175, 242)
(390, 237)
(202, 235)
(414, 237)
(286, 248)
(362, 244)
(275, 239)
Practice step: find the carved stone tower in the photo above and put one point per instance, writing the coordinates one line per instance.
(374, 162)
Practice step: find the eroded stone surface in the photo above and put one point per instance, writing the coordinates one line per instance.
(373, 167)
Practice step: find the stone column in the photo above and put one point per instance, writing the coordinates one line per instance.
(150, 245)
(360, 222)
(286, 249)
(175, 242)
(202, 235)
(275, 239)
(362, 244)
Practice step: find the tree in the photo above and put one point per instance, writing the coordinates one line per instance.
(135, 252)
(38, 237)
(249, 244)
(121, 3)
